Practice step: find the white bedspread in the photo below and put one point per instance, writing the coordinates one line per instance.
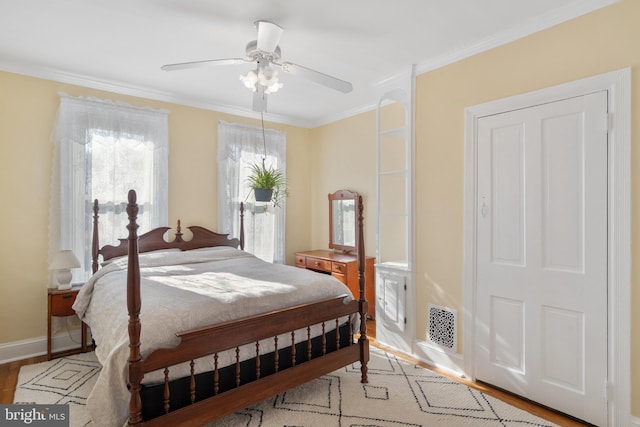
(181, 291)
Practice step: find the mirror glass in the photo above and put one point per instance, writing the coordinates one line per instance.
(342, 220)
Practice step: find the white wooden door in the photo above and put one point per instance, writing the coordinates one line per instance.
(541, 296)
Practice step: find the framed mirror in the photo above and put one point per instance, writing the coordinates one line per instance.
(343, 209)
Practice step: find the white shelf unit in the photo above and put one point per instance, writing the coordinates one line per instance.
(395, 213)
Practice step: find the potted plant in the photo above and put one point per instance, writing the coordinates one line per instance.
(267, 183)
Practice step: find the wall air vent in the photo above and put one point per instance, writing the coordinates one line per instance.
(441, 329)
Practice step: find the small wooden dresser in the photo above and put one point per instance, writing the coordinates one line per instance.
(343, 267)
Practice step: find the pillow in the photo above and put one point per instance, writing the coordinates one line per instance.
(209, 248)
(117, 258)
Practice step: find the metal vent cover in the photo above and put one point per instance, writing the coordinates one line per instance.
(442, 330)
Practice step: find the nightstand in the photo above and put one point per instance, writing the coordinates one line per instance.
(59, 305)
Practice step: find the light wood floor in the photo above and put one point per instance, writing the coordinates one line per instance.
(9, 378)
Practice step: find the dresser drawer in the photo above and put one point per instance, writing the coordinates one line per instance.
(61, 304)
(318, 264)
(301, 261)
(339, 267)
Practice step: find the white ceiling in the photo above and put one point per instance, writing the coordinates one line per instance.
(119, 45)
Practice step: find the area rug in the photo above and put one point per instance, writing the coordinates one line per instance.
(398, 394)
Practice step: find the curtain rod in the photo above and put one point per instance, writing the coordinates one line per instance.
(109, 102)
(251, 127)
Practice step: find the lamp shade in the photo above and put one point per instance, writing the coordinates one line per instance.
(64, 259)
(61, 265)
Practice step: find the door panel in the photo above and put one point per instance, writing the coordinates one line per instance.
(507, 169)
(563, 193)
(541, 289)
(563, 348)
(507, 334)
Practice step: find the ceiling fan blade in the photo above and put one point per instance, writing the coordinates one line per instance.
(316, 76)
(205, 63)
(268, 35)
(259, 100)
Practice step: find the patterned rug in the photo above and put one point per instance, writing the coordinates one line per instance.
(398, 394)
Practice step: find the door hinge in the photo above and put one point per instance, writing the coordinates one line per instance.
(405, 320)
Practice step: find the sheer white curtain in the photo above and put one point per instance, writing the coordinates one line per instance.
(239, 146)
(102, 149)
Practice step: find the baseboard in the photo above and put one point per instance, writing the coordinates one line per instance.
(24, 349)
(19, 350)
(453, 363)
(635, 422)
(430, 354)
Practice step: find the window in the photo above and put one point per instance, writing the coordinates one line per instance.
(101, 151)
(240, 146)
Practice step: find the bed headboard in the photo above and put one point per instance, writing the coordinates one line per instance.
(154, 240)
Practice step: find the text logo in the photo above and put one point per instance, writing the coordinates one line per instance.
(27, 414)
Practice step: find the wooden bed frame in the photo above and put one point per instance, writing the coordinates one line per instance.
(208, 341)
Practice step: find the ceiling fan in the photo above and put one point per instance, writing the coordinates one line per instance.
(265, 52)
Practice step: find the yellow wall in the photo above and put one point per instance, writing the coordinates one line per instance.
(344, 157)
(596, 43)
(27, 113)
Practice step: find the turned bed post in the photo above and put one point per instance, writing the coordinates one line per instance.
(95, 244)
(363, 341)
(241, 226)
(178, 236)
(133, 305)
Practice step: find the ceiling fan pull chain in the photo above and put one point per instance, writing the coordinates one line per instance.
(264, 139)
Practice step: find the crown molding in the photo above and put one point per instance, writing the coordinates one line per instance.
(331, 118)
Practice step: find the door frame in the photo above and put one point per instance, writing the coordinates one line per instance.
(618, 85)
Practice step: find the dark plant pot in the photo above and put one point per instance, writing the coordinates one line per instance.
(263, 194)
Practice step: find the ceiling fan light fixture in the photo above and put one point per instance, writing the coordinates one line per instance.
(269, 79)
(273, 87)
(250, 80)
(263, 76)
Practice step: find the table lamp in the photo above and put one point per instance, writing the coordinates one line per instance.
(61, 265)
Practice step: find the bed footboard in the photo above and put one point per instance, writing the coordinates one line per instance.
(291, 365)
